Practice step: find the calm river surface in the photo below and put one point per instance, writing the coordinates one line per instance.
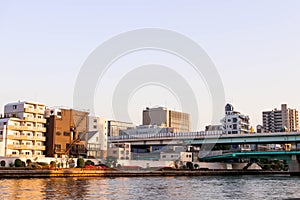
(208, 187)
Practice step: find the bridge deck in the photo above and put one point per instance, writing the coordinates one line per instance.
(284, 155)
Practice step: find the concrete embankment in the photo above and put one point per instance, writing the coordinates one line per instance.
(12, 173)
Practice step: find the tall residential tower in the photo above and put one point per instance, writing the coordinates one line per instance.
(284, 120)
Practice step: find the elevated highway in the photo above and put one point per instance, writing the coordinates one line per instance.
(199, 138)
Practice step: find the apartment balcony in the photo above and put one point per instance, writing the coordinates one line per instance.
(40, 138)
(26, 147)
(32, 110)
(21, 128)
(40, 129)
(19, 137)
(26, 137)
(32, 119)
(27, 128)
(29, 110)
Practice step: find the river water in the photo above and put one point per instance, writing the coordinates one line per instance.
(206, 187)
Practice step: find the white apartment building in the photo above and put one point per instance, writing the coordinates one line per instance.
(234, 122)
(22, 129)
(97, 137)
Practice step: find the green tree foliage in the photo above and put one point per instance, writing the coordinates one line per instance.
(190, 165)
(3, 163)
(89, 162)
(80, 163)
(18, 163)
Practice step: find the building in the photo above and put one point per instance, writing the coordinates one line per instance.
(116, 128)
(22, 129)
(234, 122)
(164, 117)
(260, 129)
(97, 137)
(284, 120)
(120, 151)
(66, 132)
(213, 128)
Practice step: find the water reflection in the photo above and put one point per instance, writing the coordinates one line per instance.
(241, 187)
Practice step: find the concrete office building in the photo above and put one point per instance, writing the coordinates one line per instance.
(234, 122)
(116, 128)
(284, 120)
(22, 129)
(66, 132)
(164, 117)
(120, 151)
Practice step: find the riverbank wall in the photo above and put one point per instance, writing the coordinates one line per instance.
(46, 173)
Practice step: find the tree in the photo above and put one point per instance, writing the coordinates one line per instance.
(28, 162)
(196, 166)
(111, 161)
(53, 164)
(3, 163)
(190, 165)
(89, 162)
(18, 163)
(80, 163)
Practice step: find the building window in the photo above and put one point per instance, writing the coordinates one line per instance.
(97, 138)
(234, 126)
(234, 120)
(14, 153)
(95, 126)
(1, 132)
(95, 120)
(14, 107)
(66, 133)
(114, 152)
(57, 147)
(58, 133)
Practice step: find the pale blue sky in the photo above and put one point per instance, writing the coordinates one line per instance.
(255, 46)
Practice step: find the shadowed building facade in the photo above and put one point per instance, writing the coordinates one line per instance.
(66, 132)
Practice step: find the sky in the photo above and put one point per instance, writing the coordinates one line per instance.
(254, 45)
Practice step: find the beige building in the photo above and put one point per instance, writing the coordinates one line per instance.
(120, 151)
(116, 128)
(164, 117)
(284, 120)
(22, 130)
(97, 137)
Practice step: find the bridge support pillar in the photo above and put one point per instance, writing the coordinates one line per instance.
(294, 164)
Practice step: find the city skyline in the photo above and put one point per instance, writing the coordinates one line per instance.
(253, 46)
(251, 126)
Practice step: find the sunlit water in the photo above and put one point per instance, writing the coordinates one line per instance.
(207, 187)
